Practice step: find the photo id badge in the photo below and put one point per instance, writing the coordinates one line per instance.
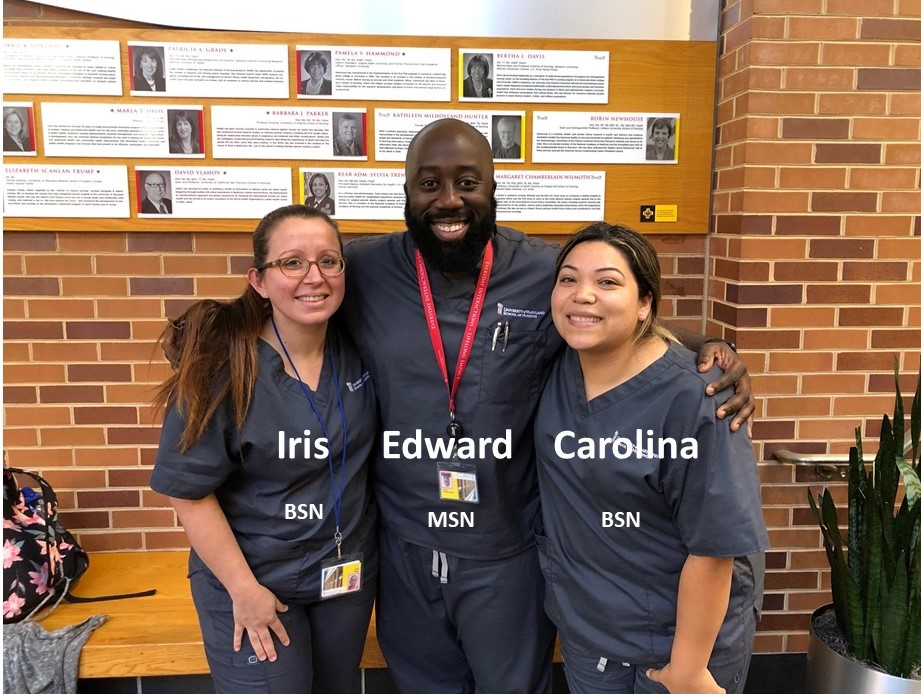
(340, 576)
(457, 482)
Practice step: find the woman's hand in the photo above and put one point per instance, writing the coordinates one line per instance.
(256, 613)
(255, 607)
(699, 682)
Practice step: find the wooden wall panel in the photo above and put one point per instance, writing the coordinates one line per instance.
(645, 76)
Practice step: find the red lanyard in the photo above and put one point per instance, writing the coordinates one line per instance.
(431, 319)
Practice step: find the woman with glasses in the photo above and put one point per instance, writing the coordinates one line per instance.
(270, 421)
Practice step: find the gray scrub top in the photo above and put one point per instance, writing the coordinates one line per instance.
(613, 579)
(499, 391)
(281, 508)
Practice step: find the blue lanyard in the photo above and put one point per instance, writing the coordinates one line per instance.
(335, 490)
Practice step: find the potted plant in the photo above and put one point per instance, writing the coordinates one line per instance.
(876, 580)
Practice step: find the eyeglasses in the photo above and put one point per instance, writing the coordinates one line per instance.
(292, 266)
(161, 186)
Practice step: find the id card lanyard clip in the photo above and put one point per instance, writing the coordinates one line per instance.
(455, 429)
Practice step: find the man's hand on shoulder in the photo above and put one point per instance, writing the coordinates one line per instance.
(735, 373)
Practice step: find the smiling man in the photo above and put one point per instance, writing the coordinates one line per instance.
(155, 202)
(452, 317)
(462, 598)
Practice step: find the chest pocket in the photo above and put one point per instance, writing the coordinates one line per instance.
(512, 371)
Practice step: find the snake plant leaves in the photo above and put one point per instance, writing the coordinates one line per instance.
(876, 582)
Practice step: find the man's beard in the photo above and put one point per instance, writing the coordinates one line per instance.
(459, 256)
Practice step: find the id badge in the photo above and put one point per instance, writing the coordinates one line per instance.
(457, 482)
(340, 576)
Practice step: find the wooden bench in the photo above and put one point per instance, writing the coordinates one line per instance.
(150, 636)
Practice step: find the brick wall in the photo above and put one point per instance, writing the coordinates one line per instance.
(815, 263)
(82, 312)
(816, 234)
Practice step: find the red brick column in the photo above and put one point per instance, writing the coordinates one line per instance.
(815, 259)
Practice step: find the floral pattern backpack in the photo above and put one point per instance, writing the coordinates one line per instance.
(41, 559)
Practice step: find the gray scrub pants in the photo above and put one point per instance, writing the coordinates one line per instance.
(327, 640)
(584, 676)
(472, 626)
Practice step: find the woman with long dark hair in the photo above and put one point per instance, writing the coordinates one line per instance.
(148, 71)
(271, 419)
(653, 552)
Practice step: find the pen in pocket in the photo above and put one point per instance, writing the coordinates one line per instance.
(501, 329)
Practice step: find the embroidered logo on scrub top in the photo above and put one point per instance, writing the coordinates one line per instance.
(354, 386)
(504, 310)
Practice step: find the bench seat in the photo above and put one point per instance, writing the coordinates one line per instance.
(150, 636)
